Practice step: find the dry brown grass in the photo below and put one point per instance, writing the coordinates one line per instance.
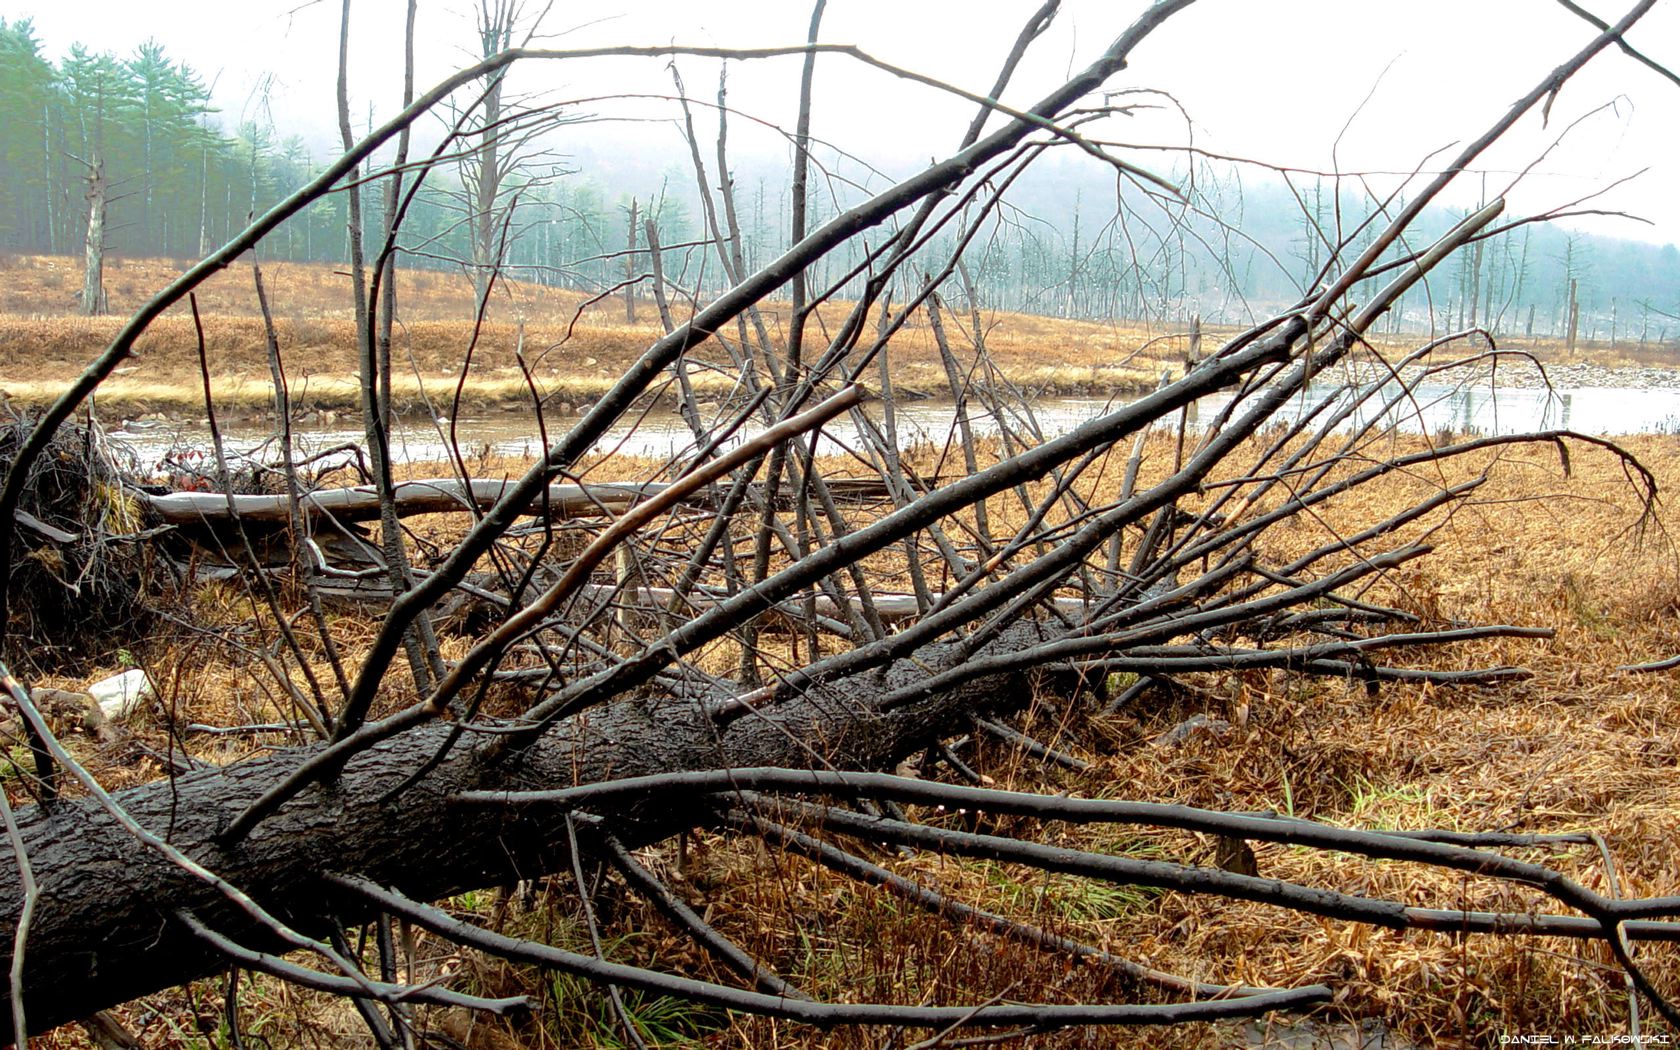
(574, 352)
(575, 349)
(1576, 747)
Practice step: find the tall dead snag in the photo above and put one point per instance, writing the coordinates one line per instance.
(589, 717)
(630, 266)
(374, 317)
(1572, 318)
(486, 167)
(93, 269)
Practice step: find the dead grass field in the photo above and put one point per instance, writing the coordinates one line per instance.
(1576, 747)
(574, 352)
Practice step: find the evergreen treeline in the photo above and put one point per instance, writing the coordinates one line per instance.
(179, 183)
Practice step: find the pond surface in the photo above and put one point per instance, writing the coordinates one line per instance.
(662, 433)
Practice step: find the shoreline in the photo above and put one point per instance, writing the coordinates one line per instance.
(570, 367)
(330, 399)
(326, 399)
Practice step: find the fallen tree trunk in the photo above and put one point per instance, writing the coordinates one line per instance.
(361, 503)
(593, 599)
(892, 608)
(432, 496)
(104, 929)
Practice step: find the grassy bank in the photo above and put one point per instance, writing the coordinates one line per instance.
(568, 365)
(573, 349)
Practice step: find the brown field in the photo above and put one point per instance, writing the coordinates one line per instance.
(574, 351)
(1578, 746)
(574, 356)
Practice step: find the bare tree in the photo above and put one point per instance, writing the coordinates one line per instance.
(501, 134)
(93, 271)
(567, 730)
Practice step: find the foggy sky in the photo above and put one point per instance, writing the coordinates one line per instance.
(1276, 80)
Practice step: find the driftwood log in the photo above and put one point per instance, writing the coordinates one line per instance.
(361, 503)
(429, 496)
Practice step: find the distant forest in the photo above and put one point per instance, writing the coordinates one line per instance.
(1071, 244)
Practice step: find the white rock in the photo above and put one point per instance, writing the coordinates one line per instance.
(121, 695)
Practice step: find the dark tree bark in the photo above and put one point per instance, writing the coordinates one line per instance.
(104, 929)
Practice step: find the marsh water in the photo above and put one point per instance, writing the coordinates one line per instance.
(661, 432)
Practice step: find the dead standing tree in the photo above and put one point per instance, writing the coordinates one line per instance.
(93, 270)
(612, 746)
(503, 160)
(486, 168)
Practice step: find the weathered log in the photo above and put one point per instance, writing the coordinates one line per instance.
(892, 608)
(592, 598)
(104, 931)
(361, 503)
(42, 529)
(432, 496)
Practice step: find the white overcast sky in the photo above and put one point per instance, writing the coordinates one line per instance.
(1271, 79)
